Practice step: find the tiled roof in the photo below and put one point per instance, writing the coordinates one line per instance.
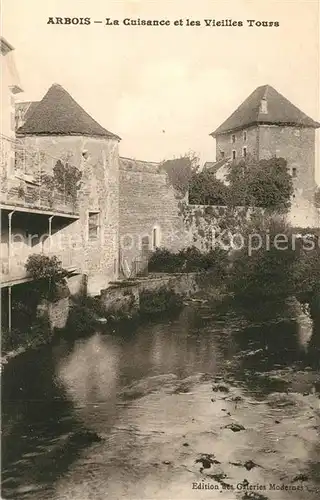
(278, 111)
(59, 114)
(213, 167)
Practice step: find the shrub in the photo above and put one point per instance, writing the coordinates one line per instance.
(162, 300)
(162, 260)
(29, 335)
(83, 315)
(189, 260)
(40, 266)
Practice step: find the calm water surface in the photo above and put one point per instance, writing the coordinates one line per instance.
(54, 396)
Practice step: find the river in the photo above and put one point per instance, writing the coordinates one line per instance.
(209, 404)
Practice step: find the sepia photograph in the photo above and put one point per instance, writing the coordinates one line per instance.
(160, 249)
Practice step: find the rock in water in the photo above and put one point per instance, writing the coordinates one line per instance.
(235, 427)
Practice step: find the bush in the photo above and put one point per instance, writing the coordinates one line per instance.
(83, 315)
(206, 189)
(38, 333)
(162, 300)
(189, 260)
(164, 261)
(40, 266)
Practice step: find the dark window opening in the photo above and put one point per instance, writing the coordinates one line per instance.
(233, 138)
(154, 238)
(233, 155)
(93, 225)
(222, 154)
(244, 152)
(294, 172)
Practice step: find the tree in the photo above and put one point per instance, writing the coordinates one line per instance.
(269, 271)
(180, 171)
(265, 184)
(206, 189)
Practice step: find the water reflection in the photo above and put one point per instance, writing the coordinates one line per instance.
(50, 393)
(89, 373)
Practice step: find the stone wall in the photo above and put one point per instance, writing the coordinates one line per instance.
(149, 213)
(98, 160)
(225, 144)
(297, 146)
(208, 225)
(125, 297)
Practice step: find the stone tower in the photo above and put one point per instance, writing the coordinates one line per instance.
(266, 125)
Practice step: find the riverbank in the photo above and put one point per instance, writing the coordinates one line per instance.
(125, 300)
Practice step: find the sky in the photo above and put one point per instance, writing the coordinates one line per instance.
(164, 89)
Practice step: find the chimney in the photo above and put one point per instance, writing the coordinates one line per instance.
(264, 106)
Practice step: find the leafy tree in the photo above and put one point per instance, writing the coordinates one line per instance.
(180, 171)
(249, 183)
(269, 271)
(206, 189)
(265, 184)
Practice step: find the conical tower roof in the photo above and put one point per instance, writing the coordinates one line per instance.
(278, 110)
(59, 114)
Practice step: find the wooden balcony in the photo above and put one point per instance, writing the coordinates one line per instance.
(14, 272)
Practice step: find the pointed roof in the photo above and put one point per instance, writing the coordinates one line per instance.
(279, 110)
(59, 114)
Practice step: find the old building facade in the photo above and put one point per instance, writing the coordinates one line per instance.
(60, 196)
(149, 214)
(267, 125)
(65, 191)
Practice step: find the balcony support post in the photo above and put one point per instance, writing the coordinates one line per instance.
(9, 239)
(50, 230)
(9, 308)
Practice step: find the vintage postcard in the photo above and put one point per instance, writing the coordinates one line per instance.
(160, 250)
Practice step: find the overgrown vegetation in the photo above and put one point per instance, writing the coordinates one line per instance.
(30, 335)
(83, 314)
(189, 260)
(163, 300)
(65, 178)
(285, 265)
(48, 275)
(249, 183)
(30, 322)
(206, 189)
(180, 172)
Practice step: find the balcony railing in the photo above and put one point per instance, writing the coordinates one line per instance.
(27, 179)
(15, 269)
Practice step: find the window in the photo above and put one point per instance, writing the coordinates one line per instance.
(294, 172)
(155, 238)
(93, 225)
(244, 152)
(233, 138)
(245, 136)
(222, 154)
(233, 154)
